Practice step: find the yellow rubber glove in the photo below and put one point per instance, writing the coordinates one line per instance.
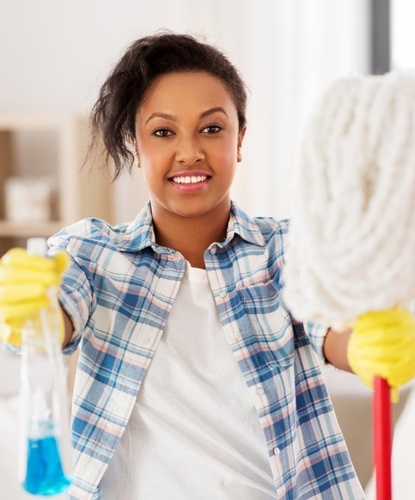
(383, 344)
(24, 282)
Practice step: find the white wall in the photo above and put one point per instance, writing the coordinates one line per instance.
(403, 35)
(55, 54)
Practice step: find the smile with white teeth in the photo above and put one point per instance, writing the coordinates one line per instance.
(193, 179)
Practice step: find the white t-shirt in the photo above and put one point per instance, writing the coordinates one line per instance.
(194, 433)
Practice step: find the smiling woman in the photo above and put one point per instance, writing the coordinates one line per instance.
(193, 380)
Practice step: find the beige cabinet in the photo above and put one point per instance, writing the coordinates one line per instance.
(47, 179)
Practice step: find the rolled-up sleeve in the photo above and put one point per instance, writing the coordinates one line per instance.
(316, 332)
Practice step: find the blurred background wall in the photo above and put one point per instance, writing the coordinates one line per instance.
(54, 55)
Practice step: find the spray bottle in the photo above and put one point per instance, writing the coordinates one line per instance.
(45, 440)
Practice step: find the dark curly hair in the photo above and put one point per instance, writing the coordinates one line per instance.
(113, 115)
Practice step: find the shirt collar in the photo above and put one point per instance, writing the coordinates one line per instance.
(139, 234)
(246, 227)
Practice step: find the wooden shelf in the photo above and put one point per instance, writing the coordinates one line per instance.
(32, 146)
(10, 229)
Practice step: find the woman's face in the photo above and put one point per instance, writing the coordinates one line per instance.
(187, 143)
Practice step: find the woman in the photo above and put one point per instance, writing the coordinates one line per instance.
(193, 381)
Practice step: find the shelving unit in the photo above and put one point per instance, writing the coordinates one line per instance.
(55, 146)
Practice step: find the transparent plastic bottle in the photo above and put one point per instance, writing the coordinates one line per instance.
(45, 441)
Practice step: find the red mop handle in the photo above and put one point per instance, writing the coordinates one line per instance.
(382, 438)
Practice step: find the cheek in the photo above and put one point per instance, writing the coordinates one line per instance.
(226, 155)
(153, 164)
(151, 156)
(228, 159)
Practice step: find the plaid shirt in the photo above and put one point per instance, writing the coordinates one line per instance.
(119, 291)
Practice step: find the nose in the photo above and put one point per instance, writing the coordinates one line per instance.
(189, 151)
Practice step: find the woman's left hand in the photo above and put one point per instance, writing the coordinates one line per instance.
(383, 344)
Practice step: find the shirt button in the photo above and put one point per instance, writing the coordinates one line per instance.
(212, 251)
(259, 390)
(234, 336)
(276, 451)
(222, 295)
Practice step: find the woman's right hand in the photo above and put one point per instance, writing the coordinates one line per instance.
(24, 283)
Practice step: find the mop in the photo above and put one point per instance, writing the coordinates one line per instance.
(352, 239)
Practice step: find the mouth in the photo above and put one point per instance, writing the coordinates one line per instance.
(189, 179)
(190, 183)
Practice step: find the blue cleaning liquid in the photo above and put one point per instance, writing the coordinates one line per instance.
(44, 474)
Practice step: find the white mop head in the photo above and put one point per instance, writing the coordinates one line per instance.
(351, 246)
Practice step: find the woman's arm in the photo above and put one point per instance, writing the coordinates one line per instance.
(335, 348)
(68, 327)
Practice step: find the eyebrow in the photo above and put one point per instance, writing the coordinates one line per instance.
(213, 110)
(173, 118)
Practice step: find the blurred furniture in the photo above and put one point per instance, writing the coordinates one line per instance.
(54, 148)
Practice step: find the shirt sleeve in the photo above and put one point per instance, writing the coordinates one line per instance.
(316, 332)
(76, 291)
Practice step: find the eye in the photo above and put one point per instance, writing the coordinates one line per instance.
(212, 129)
(162, 132)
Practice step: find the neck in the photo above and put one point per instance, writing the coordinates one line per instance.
(191, 236)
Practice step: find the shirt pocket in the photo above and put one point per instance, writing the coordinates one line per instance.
(270, 323)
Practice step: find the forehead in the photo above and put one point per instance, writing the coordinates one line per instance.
(187, 89)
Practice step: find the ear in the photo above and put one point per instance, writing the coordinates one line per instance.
(137, 156)
(241, 136)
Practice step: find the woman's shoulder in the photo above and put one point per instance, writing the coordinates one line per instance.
(92, 230)
(265, 225)
(272, 225)
(99, 231)
(260, 230)
(95, 228)
(272, 229)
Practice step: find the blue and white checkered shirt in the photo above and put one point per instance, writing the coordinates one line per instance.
(119, 291)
